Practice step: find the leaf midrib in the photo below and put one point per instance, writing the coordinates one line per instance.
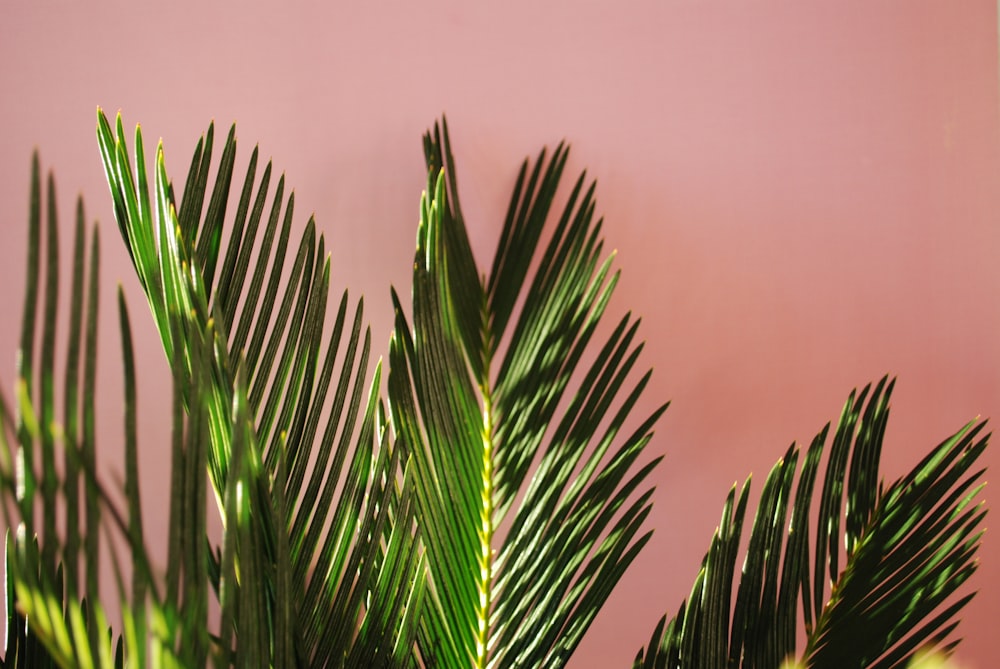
(484, 585)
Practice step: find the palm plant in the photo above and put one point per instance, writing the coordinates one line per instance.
(478, 514)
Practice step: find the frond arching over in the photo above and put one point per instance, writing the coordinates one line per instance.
(328, 519)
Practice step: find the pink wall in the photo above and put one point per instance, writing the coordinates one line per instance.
(803, 196)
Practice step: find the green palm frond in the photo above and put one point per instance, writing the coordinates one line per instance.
(308, 561)
(872, 594)
(53, 577)
(480, 390)
(55, 616)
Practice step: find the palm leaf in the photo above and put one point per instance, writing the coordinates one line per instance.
(314, 559)
(888, 593)
(478, 394)
(44, 569)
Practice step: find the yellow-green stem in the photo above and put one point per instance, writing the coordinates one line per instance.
(485, 535)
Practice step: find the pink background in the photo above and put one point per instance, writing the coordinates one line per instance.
(803, 196)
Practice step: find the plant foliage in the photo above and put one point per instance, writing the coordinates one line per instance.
(477, 515)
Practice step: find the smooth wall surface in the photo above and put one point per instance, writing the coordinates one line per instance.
(803, 196)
